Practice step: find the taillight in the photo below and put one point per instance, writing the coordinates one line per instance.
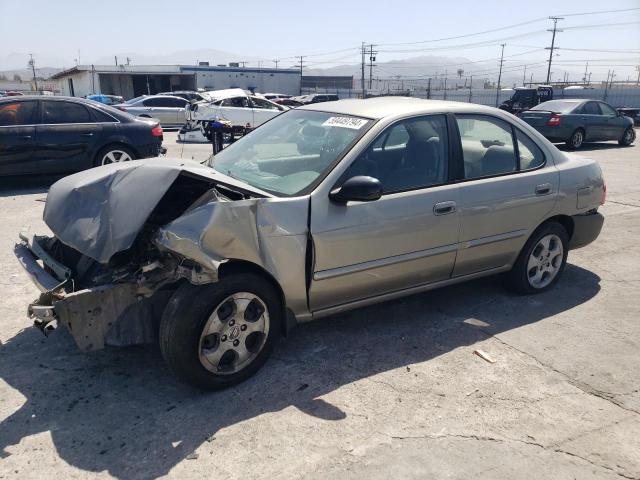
(554, 121)
(604, 193)
(156, 131)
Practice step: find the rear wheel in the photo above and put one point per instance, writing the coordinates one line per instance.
(628, 137)
(113, 154)
(218, 335)
(576, 139)
(541, 261)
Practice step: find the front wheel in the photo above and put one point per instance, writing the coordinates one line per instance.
(541, 261)
(215, 336)
(576, 139)
(628, 137)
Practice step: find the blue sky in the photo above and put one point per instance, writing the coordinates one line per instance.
(281, 29)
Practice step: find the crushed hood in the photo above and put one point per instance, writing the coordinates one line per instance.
(100, 211)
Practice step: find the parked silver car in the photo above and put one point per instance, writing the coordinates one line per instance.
(323, 209)
(168, 110)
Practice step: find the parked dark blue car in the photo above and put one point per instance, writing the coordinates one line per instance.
(43, 135)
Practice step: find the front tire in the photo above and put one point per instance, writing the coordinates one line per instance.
(576, 139)
(215, 336)
(628, 137)
(542, 260)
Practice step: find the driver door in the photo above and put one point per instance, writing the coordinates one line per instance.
(405, 239)
(237, 110)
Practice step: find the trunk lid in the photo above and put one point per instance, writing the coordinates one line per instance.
(536, 118)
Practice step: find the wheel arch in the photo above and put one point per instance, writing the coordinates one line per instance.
(237, 266)
(565, 220)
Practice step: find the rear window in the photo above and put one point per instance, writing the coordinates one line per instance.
(103, 117)
(65, 112)
(17, 113)
(557, 106)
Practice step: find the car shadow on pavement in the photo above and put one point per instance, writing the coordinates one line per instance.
(121, 411)
(28, 185)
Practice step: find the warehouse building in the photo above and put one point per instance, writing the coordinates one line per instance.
(130, 81)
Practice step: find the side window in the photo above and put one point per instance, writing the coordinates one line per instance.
(607, 110)
(591, 108)
(65, 112)
(409, 155)
(176, 102)
(237, 102)
(103, 117)
(17, 113)
(530, 154)
(263, 104)
(487, 146)
(153, 102)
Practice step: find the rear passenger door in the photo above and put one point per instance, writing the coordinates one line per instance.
(263, 110)
(594, 122)
(66, 137)
(506, 189)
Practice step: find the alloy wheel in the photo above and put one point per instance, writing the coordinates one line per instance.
(234, 334)
(545, 261)
(576, 139)
(115, 156)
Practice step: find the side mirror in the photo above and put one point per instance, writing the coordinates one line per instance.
(360, 189)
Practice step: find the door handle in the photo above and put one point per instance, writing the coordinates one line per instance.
(444, 208)
(543, 189)
(87, 134)
(26, 137)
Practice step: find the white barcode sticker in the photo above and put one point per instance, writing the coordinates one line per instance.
(345, 122)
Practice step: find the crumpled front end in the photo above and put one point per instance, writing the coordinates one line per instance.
(99, 306)
(124, 240)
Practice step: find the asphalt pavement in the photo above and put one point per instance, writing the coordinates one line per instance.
(390, 391)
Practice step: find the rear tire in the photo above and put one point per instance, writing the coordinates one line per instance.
(113, 154)
(576, 139)
(541, 261)
(628, 137)
(215, 336)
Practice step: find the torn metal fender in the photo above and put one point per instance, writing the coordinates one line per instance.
(99, 212)
(269, 232)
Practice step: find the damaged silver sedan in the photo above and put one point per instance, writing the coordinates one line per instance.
(325, 208)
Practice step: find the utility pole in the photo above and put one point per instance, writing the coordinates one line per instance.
(116, 57)
(500, 73)
(372, 59)
(32, 64)
(638, 80)
(301, 57)
(276, 62)
(364, 91)
(445, 85)
(586, 68)
(470, 87)
(524, 76)
(553, 43)
(429, 89)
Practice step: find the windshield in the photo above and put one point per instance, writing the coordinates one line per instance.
(558, 106)
(287, 154)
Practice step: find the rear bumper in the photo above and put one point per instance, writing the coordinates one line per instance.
(586, 229)
(151, 150)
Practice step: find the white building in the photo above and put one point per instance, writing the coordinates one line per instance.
(131, 81)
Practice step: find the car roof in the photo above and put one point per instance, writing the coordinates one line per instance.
(55, 98)
(381, 107)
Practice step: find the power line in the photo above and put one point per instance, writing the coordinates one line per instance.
(598, 12)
